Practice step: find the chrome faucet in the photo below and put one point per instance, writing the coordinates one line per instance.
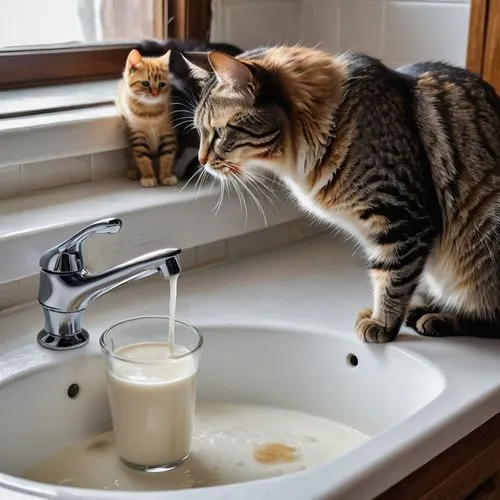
(67, 288)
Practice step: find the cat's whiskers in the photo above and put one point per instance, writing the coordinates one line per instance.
(262, 182)
(231, 181)
(248, 189)
(184, 106)
(188, 106)
(258, 188)
(241, 197)
(196, 174)
(192, 98)
(231, 174)
(221, 196)
(187, 128)
(182, 120)
(255, 179)
(204, 175)
(186, 124)
(265, 177)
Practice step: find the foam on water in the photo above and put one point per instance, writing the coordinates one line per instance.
(231, 444)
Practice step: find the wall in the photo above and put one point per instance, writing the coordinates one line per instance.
(252, 23)
(397, 31)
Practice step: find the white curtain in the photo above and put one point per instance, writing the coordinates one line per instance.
(117, 20)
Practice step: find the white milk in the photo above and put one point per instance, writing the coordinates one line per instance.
(173, 302)
(152, 405)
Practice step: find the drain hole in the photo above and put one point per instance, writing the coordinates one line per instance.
(73, 391)
(352, 360)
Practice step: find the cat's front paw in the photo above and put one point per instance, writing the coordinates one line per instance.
(436, 325)
(371, 330)
(148, 182)
(415, 313)
(170, 180)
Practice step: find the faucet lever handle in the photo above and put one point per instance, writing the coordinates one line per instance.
(67, 256)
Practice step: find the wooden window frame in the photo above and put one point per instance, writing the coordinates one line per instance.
(483, 50)
(59, 65)
(477, 39)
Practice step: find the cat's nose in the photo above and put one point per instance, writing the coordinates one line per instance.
(202, 157)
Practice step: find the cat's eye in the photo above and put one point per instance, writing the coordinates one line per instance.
(162, 84)
(145, 83)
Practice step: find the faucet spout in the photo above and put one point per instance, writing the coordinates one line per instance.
(82, 288)
(65, 292)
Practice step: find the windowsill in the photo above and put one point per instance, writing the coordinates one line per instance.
(51, 99)
(60, 134)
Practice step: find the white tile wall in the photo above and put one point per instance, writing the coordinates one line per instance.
(398, 31)
(9, 294)
(109, 164)
(320, 23)
(211, 252)
(188, 258)
(425, 30)
(97, 251)
(61, 172)
(361, 26)
(257, 22)
(28, 289)
(264, 240)
(16, 180)
(10, 182)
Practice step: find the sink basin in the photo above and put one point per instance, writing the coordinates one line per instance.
(324, 373)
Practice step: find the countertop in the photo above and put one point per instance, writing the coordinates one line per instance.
(318, 283)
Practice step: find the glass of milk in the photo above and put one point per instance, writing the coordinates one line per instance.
(151, 389)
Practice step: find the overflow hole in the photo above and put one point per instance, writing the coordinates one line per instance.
(352, 360)
(73, 391)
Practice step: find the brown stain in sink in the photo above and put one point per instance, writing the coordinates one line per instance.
(275, 453)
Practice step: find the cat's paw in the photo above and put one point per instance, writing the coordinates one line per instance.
(415, 313)
(133, 175)
(170, 180)
(371, 330)
(435, 325)
(148, 182)
(363, 314)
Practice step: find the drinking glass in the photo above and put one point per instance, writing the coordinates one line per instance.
(151, 389)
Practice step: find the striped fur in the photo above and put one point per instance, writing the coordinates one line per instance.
(407, 161)
(144, 103)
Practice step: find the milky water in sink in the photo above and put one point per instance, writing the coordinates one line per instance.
(232, 443)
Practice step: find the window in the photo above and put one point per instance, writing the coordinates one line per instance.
(77, 22)
(61, 41)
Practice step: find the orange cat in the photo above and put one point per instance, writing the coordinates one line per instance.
(143, 100)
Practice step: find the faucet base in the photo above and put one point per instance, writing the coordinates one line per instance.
(62, 343)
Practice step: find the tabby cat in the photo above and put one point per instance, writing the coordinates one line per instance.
(407, 161)
(144, 101)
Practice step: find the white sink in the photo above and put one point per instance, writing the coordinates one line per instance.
(240, 364)
(414, 397)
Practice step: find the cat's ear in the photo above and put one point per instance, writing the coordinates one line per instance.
(232, 71)
(134, 60)
(198, 64)
(165, 58)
